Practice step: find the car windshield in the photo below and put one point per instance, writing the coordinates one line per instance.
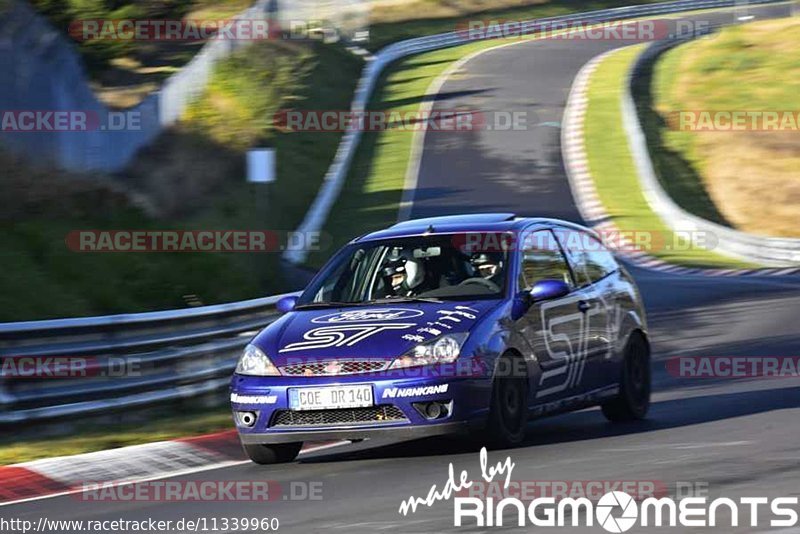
(424, 267)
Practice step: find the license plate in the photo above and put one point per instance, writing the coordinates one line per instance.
(330, 397)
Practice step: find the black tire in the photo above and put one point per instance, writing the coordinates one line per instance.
(273, 454)
(633, 400)
(508, 414)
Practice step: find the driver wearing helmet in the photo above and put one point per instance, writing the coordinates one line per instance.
(401, 275)
(485, 266)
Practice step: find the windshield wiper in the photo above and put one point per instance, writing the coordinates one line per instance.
(404, 299)
(385, 300)
(329, 304)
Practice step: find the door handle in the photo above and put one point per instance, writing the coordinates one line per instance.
(583, 306)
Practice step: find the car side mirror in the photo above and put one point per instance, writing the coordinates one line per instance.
(286, 304)
(548, 290)
(541, 290)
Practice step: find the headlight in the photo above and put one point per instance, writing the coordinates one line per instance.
(255, 363)
(444, 349)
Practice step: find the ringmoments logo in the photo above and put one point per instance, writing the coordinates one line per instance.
(615, 511)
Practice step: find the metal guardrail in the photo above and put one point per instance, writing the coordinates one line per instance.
(337, 173)
(186, 353)
(761, 250)
(125, 361)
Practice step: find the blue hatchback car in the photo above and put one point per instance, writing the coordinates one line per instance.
(466, 324)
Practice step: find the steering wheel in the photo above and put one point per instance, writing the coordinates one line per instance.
(494, 288)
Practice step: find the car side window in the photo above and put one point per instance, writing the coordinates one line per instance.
(591, 260)
(542, 259)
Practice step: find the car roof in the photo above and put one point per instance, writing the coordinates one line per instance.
(473, 222)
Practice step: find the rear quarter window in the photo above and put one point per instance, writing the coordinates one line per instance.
(591, 260)
(542, 259)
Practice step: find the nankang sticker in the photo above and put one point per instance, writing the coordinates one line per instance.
(254, 399)
(399, 393)
(368, 315)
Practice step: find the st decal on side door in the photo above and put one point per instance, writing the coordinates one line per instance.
(565, 330)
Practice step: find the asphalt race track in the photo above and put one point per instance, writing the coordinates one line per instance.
(739, 437)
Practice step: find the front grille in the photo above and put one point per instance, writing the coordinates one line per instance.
(340, 416)
(334, 367)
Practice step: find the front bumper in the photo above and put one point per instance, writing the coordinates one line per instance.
(360, 432)
(467, 398)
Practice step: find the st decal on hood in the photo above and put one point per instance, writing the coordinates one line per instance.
(341, 335)
(348, 328)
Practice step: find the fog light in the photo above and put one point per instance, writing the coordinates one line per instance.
(247, 419)
(434, 410)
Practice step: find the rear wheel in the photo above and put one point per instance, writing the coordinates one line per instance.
(633, 400)
(273, 454)
(508, 414)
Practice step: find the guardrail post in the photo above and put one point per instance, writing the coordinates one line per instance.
(5, 396)
(742, 11)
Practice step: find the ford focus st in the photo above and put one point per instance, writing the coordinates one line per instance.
(464, 324)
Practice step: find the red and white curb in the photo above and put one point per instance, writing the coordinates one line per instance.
(589, 205)
(67, 475)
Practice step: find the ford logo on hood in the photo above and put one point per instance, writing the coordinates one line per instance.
(368, 315)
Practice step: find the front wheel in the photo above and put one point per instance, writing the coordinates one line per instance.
(633, 400)
(508, 414)
(273, 454)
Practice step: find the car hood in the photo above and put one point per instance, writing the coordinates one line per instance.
(372, 332)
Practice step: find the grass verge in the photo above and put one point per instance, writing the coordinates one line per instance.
(732, 177)
(193, 177)
(613, 170)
